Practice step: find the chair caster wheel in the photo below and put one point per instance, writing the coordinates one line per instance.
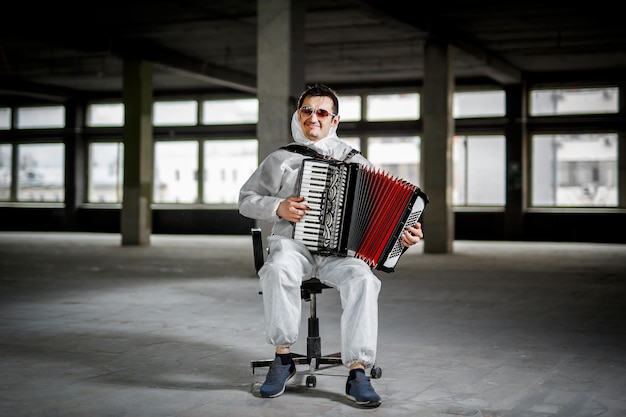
(311, 381)
(376, 372)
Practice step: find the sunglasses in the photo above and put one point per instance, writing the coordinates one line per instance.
(308, 111)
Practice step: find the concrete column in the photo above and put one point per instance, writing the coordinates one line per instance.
(280, 71)
(436, 155)
(516, 160)
(76, 161)
(621, 149)
(136, 216)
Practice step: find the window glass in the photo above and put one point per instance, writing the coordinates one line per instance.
(41, 172)
(176, 172)
(5, 171)
(574, 170)
(227, 165)
(574, 101)
(399, 156)
(40, 117)
(106, 172)
(215, 112)
(175, 113)
(355, 142)
(382, 107)
(5, 118)
(479, 104)
(479, 166)
(350, 108)
(105, 115)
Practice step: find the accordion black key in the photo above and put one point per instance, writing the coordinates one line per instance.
(356, 211)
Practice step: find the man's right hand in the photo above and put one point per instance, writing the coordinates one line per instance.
(292, 209)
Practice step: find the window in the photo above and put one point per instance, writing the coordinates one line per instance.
(399, 156)
(574, 101)
(240, 111)
(479, 170)
(5, 118)
(227, 165)
(350, 108)
(175, 113)
(40, 117)
(106, 172)
(385, 107)
(5, 171)
(41, 172)
(105, 115)
(479, 104)
(176, 172)
(574, 170)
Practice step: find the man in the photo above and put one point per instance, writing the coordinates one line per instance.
(269, 195)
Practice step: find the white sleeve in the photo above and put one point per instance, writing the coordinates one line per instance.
(260, 196)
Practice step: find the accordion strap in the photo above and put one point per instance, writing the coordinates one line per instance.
(351, 154)
(305, 150)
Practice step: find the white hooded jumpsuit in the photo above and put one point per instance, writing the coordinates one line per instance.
(289, 262)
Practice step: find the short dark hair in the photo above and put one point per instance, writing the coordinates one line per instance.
(320, 90)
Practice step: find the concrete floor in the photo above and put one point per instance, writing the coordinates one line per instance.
(90, 328)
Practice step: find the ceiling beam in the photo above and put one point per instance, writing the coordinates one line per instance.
(426, 20)
(185, 65)
(168, 59)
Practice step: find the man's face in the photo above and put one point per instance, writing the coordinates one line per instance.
(314, 126)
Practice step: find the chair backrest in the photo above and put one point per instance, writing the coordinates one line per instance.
(257, 248)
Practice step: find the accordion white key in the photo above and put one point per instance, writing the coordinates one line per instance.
(356, 211)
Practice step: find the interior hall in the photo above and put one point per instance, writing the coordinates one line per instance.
(128, 276)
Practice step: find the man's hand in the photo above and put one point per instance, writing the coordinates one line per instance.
(412, 235)
(292, 209)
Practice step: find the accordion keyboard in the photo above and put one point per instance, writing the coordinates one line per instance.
(323, 186)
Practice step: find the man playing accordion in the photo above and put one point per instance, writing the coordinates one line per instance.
(269, 195)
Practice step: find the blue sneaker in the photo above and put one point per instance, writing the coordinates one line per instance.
(360, 390)
(276, 378)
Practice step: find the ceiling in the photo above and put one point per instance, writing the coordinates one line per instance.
(50, 52)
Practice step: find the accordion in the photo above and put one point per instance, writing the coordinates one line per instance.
(356, 211)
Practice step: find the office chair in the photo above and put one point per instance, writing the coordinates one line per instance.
(308, 292)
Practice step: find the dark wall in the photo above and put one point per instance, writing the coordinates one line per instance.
(553, 227)
(177, 221)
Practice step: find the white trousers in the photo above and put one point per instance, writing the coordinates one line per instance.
(288, 264)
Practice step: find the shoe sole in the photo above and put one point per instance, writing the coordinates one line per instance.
(284, 385)
(369, 404)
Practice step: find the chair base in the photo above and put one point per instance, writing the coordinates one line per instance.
(333, 359)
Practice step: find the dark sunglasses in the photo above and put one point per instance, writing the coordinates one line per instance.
(307, 111)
